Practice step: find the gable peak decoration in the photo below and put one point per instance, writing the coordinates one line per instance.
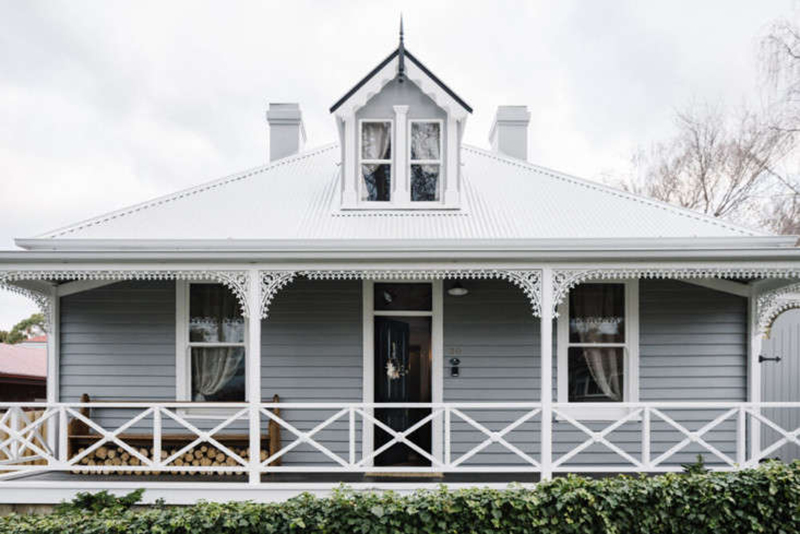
(401, 65)
(401, 55)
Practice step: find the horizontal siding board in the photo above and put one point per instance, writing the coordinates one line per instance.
(493, 333)
(117, 342)
(693, 347)
(311, 351)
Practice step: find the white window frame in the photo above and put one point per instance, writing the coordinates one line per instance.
(440, 162)
(391, 162)
(437, 357)
(630, 357)
(183, 359)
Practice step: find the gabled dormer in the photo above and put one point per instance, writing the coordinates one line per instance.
(400, 130)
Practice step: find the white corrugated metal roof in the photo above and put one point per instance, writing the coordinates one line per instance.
(296, 198)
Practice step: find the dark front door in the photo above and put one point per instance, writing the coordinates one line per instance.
(402, 374)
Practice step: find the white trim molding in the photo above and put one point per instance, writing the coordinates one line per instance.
(608, 411)
(440, 162)
(436, 315)
(183, 346)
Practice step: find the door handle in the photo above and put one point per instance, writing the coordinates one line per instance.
(762, 359)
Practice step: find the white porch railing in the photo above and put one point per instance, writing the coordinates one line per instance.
(336, 437)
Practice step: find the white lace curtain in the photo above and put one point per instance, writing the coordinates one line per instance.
(604, 367)
(213, 368)
(595, 311)
(376, 139)
(425, 144)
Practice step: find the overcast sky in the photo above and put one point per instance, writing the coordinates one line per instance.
(105, 104)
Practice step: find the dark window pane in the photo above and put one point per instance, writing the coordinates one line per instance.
(218, 374)
(376, 140)
(214, 315)
(597, 313)
(408, 297)
(425, 140)
(596, 374)
(377, 182)
(425, 182)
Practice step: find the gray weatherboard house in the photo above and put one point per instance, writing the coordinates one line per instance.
(394, 310)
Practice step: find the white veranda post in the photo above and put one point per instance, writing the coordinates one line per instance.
(754, 370)
(254, 371)
(546, 386)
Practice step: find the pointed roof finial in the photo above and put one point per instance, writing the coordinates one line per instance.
(401, 55)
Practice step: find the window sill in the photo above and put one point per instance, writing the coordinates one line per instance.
(595, 413)
(380, 207)
(201, 412)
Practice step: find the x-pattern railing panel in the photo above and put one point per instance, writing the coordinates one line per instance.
(597, 437)
(109, 436)
(23, 433)
(694, 437)
(305, 437)
(788, 436)
(202, 436)
(495, 437)
(400, 436)
(23, 439)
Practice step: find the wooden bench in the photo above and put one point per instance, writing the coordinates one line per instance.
(81, 436)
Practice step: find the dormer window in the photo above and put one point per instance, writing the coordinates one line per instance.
(376, 160)
(426, 160)
(400, 130)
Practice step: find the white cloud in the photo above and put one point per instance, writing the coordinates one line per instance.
(107, 104)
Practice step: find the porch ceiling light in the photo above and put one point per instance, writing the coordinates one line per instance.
(457, 290)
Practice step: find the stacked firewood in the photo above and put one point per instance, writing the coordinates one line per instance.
(199, 456)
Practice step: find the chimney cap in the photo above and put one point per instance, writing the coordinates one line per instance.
(286, 113)
(510, 114)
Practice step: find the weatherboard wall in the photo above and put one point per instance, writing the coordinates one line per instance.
(118, 343)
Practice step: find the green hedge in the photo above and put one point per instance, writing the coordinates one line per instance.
(760, 500)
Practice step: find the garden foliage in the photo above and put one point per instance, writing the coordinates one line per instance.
(766, 499)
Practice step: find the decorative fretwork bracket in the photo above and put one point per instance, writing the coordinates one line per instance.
(234, 280)
(566, 279)
(271, 283)
(770, 304)
(42, 299)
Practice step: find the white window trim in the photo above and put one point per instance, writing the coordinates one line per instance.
(437, 356)
(630, 352)
(440, 162)
(392, 162)
(183, 360)
(400, 201)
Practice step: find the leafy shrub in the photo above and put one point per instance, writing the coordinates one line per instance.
(696, 468)
(102, 500)
(766, 500)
